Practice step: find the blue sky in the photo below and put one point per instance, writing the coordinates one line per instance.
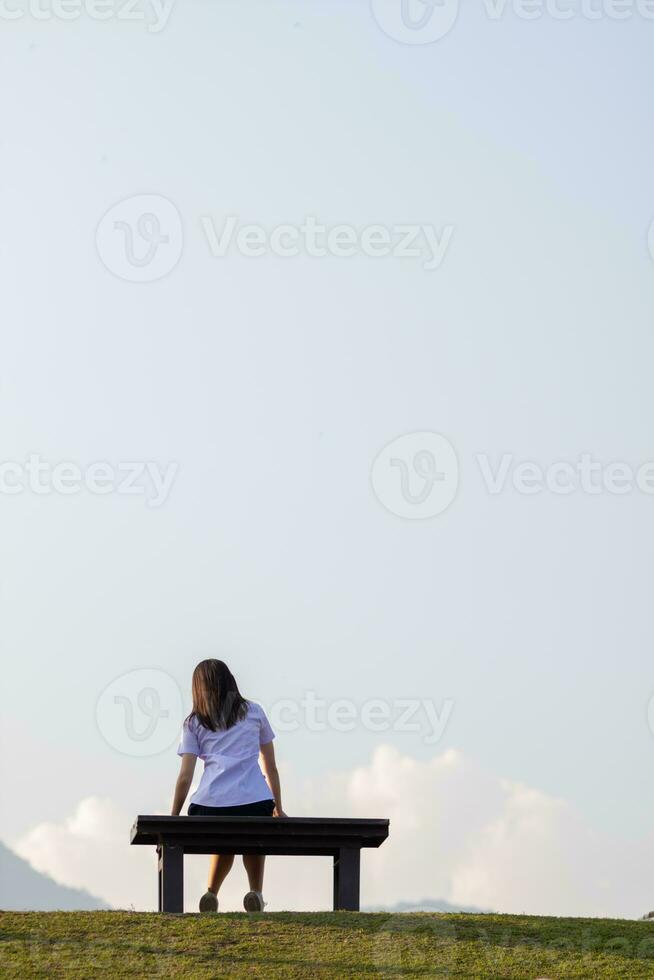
(273, 383)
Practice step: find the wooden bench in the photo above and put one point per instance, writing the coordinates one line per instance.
(341, 839)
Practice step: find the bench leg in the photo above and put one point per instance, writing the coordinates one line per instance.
(171, 878)
(347, 864)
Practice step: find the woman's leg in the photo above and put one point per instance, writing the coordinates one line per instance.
(221, 865)
(254, 865)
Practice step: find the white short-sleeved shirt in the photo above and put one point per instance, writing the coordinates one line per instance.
(231, 776)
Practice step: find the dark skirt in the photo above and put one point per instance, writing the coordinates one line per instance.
(263, 808)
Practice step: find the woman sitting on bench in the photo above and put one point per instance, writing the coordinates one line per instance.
(229, 734)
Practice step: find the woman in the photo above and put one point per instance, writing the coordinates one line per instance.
(229, 734)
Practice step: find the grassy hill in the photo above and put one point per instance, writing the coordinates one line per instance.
(333, 945)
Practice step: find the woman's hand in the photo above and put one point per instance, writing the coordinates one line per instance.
(272, 777)
(183, 784)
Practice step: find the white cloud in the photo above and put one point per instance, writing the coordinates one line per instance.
(539, 856)
(457, 833)
(88, 850)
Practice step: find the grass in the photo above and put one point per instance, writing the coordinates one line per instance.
(331, 945)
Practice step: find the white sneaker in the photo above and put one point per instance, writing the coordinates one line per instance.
(209, 902)
(253, 902)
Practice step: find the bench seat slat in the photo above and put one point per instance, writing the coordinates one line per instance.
(278, 831)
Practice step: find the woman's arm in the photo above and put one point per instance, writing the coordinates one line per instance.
(183, 784)
(272, 776)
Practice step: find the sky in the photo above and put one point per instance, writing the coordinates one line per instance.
(403, 464)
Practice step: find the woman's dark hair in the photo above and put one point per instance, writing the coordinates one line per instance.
(217, 701)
